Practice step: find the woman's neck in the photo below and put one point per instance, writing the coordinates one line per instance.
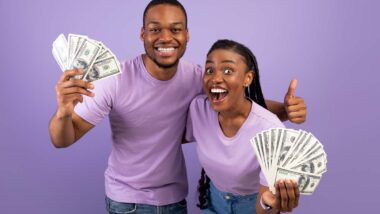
(231, 121)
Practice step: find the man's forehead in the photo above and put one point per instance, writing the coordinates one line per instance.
(168, 14)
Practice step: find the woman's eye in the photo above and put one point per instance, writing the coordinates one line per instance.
(227, 71)
(209, 71)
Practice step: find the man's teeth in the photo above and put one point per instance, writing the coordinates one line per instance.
(165, 49)
(218, 90)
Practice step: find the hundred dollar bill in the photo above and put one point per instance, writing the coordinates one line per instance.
(288, 139)
(317, 165)
(74, 43)
(276, 137)
(301, 149)
(60, 51)
(85, 57)
(102, 69)
(307, 182)
(292, 151)
(255, 142)
(104, 55)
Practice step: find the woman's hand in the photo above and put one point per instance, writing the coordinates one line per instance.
(286, 198)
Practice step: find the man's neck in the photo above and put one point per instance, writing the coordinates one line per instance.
(158, 72)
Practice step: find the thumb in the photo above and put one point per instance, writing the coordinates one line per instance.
(292, 88)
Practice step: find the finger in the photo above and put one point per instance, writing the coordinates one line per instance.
(298, 120)
(292, 88)
(291, 195)
(70, 73)
(76, 83)
(297, 114)
(76, 90)
(284, 196)
(295, 108)
(296, 193)
(278, 195)
(294, 100)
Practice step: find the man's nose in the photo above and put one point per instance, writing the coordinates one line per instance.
(166, 35)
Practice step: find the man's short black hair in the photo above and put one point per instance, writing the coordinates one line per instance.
(170, 2)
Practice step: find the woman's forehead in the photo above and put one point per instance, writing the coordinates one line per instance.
(225, 55)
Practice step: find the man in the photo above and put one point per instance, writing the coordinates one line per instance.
(147, 105)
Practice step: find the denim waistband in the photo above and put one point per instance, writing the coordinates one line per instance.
(230, 196)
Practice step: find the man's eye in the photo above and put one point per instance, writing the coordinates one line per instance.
(176, 30)
(227, 71)
(209, 71)
(154, 30)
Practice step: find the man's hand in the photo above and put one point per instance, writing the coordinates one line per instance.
(295, 106)
(286, 198)
(70, 91)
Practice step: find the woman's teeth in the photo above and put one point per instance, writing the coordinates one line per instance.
(218, 93)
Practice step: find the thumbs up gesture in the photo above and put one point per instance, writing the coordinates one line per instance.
(295, 106)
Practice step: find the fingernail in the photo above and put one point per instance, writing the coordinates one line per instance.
(91, 86)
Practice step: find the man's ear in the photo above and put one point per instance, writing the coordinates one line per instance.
(187, 35)
(142, 34)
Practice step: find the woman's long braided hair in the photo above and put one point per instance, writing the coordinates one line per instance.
(252, 92)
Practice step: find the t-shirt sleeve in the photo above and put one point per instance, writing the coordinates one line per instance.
(94, 109)
(263, 180)
(189, 137)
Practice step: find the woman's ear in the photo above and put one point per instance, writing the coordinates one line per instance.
(248, 78)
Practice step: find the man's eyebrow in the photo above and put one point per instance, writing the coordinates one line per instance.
(157, 23)
(177, 23)
(153, 23)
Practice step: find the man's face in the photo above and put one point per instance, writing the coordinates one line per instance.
(165, 35)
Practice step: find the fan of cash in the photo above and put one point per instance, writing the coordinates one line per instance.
(290, 154)
(81, 52)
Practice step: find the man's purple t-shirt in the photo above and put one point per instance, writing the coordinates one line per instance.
(147, 118)
(230, 162)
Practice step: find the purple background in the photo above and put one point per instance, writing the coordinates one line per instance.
(331, 47)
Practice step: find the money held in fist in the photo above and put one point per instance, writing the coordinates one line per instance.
(290, 154)
(91, 56)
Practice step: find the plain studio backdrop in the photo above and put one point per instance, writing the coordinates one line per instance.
(331, 46)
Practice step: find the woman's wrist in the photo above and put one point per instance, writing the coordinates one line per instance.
(265, 206)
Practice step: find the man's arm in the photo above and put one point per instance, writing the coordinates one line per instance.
(277, 108)
(66, 127)
(66, 130)
(293, 109)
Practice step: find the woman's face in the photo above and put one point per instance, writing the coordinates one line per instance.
(225, 78)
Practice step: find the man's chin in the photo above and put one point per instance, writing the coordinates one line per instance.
(167, 65)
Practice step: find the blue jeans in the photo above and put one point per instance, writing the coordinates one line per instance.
(114, 207)
(227, 203)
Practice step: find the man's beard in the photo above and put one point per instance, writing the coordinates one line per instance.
(163, 65)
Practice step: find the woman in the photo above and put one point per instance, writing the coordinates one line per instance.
(222, 122)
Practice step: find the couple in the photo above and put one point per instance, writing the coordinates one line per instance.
(148, 108)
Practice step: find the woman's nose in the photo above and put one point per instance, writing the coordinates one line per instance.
(217, 77)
